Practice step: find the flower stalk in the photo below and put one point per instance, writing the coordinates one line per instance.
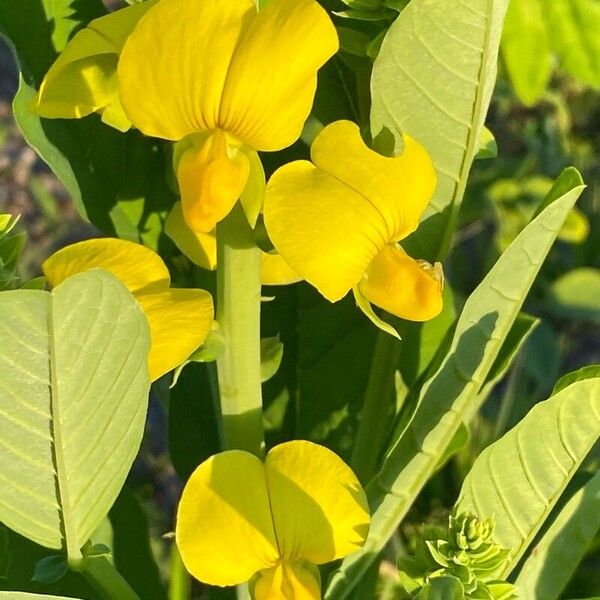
(238, 314)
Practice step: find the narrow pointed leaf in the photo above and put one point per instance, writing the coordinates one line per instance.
(520, 478)
(453, 392)
(433, 79)
(73, 394)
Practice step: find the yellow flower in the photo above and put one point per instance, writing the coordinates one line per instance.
(179, 319)
(337, 222)
(232, 78)
(83, 80)
(201, 249)
(240, 518)
(222, 77)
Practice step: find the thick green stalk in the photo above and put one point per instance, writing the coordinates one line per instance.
(238, 314)
(376, 415)
(106, 580)
(180, 582)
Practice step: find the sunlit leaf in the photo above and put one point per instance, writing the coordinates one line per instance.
(556, 556)
(453, 391)
(435, 84)
(520, 478)
(73, 367)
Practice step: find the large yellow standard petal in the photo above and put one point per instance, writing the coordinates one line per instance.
(174, 65)
(83, 80)
(402, 286)
(323, 229)
(180, 320)
(138, 267)
(400, 188)
(224, 526)
(319, 508)
(273, 74)
(212, 176)
(288, 581)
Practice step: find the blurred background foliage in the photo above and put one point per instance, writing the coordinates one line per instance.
(544, 116)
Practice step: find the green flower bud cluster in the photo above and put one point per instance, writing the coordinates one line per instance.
(461, 561)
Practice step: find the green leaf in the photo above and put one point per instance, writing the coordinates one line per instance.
(526, 49)
(335, 347)
(555, 557)
(442, 588)
(271, 353)
(117, 181)
(520, 478)
(50, 569)
(133, 556)
(40, 29)
(193, 429)
(453, 392)
(488, 148)
(576, 294)
(74, 373)
(573, 26)
(429, 54)
(588, 372)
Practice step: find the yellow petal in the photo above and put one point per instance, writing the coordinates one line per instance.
(402, 286)
(275, 271)
(83, 79)
(224, 527)
(273, 74)
(211, 178)
(200, 248)
(319, 509)
(174, 65)
(399, 188)
(324, 230)
(288, 581)
(180, 320)
(136, 266)
(253, 196)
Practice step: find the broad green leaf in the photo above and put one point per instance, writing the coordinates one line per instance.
(335, 346)
(588, 372)
(576, 294)
(526, 49)
(40, 29)
(519, 478)
(74, 373)
(555, 557)
(453, 391)
(573, 27)
(117, 181)
(433, 79)
(442, 588)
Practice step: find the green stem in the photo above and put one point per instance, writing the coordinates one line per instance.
(180, 583)
(238, 314)
(376, 416)
(106, 580)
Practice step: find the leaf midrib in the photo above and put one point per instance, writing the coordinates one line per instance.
(66, 509)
